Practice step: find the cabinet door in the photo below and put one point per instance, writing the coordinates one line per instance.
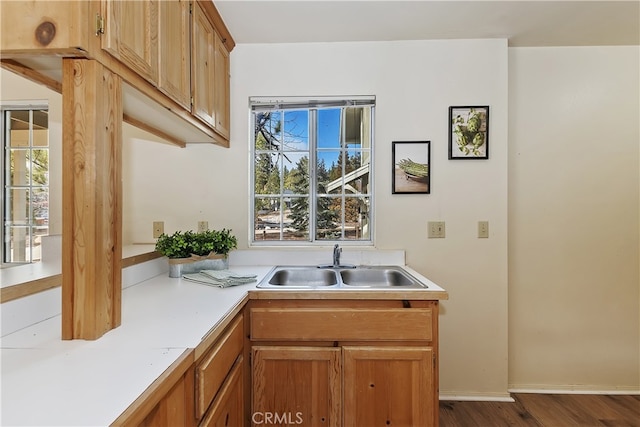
(388, 386)
(174, 77)
(227, 410)
(176, 407)
(221, 88)
(203, 67)
(296, 385)
(131, 35)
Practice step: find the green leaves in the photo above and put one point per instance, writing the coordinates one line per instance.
(184, 244)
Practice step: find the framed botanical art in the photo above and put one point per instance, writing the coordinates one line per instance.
(469, 132)
(411, 161)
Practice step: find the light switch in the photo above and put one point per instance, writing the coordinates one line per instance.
(435, 229)
(203, 226)
(483, 229)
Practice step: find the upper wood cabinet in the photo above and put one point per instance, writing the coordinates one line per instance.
(166, 51)
(174, 76)
(131, 35)
(210, 73)
(221, 88)
(203, 66)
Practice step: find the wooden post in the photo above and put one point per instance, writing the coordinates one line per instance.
(92, 199)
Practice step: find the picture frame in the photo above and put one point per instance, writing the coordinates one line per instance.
(411, 167)
(469, 132)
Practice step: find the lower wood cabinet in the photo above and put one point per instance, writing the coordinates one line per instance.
(296, 385)
(227, 410)
(344, 363)
(388, 386)
(219, 377)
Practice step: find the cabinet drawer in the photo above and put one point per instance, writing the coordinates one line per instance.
(216, 364)
(341, 324)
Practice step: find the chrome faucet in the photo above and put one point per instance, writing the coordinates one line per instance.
(337, 250)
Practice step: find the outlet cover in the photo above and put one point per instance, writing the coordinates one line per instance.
(202, 226)
(158, 228)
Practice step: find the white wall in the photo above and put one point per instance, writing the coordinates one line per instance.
(415, 82)
(574, 132)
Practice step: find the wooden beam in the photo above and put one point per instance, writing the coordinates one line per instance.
(31, 74)
(92, 199)
(153, 131)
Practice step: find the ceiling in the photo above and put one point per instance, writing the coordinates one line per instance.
(523, 23)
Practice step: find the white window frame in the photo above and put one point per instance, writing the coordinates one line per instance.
(284, 103)
(16, 106)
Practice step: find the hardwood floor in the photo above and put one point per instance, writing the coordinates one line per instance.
(545, 410)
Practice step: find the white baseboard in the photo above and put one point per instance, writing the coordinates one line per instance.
(479, 397)
(575, 389)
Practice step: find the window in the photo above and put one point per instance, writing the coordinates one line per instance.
(312, 169)
(25, 181)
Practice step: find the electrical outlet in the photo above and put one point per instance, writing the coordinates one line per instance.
(158, 228)
(435, 229)
(202, 226)
(483, 229)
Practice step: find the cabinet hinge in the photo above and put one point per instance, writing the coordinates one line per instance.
(192, 101)
(99, 24)
(191, 8)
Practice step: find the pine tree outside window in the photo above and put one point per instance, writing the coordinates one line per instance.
(312, 170)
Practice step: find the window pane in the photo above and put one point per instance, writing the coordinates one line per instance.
(296, 130)
(356, 220)
(19, 128)
(267, 174)
(329, 172)
(39, 164)
(267, 131)
(328, 217)
(17, 210)
(40, 206)
(296, 179)
(19, 169)
(40, 128)
(297, 218)
(267, 218)
(19, 244)
(356, 173)
(329, 128)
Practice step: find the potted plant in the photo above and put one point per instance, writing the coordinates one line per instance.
(191, 252)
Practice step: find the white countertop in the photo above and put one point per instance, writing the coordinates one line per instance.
(50, 382)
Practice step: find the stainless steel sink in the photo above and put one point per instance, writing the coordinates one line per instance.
(378, 277)
(307, 277)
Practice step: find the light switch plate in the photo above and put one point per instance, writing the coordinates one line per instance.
(483, 229)
(203, 226)
(435, 229)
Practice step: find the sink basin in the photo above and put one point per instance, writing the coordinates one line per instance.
(307, 277)
(379, 277)
(302, 277)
